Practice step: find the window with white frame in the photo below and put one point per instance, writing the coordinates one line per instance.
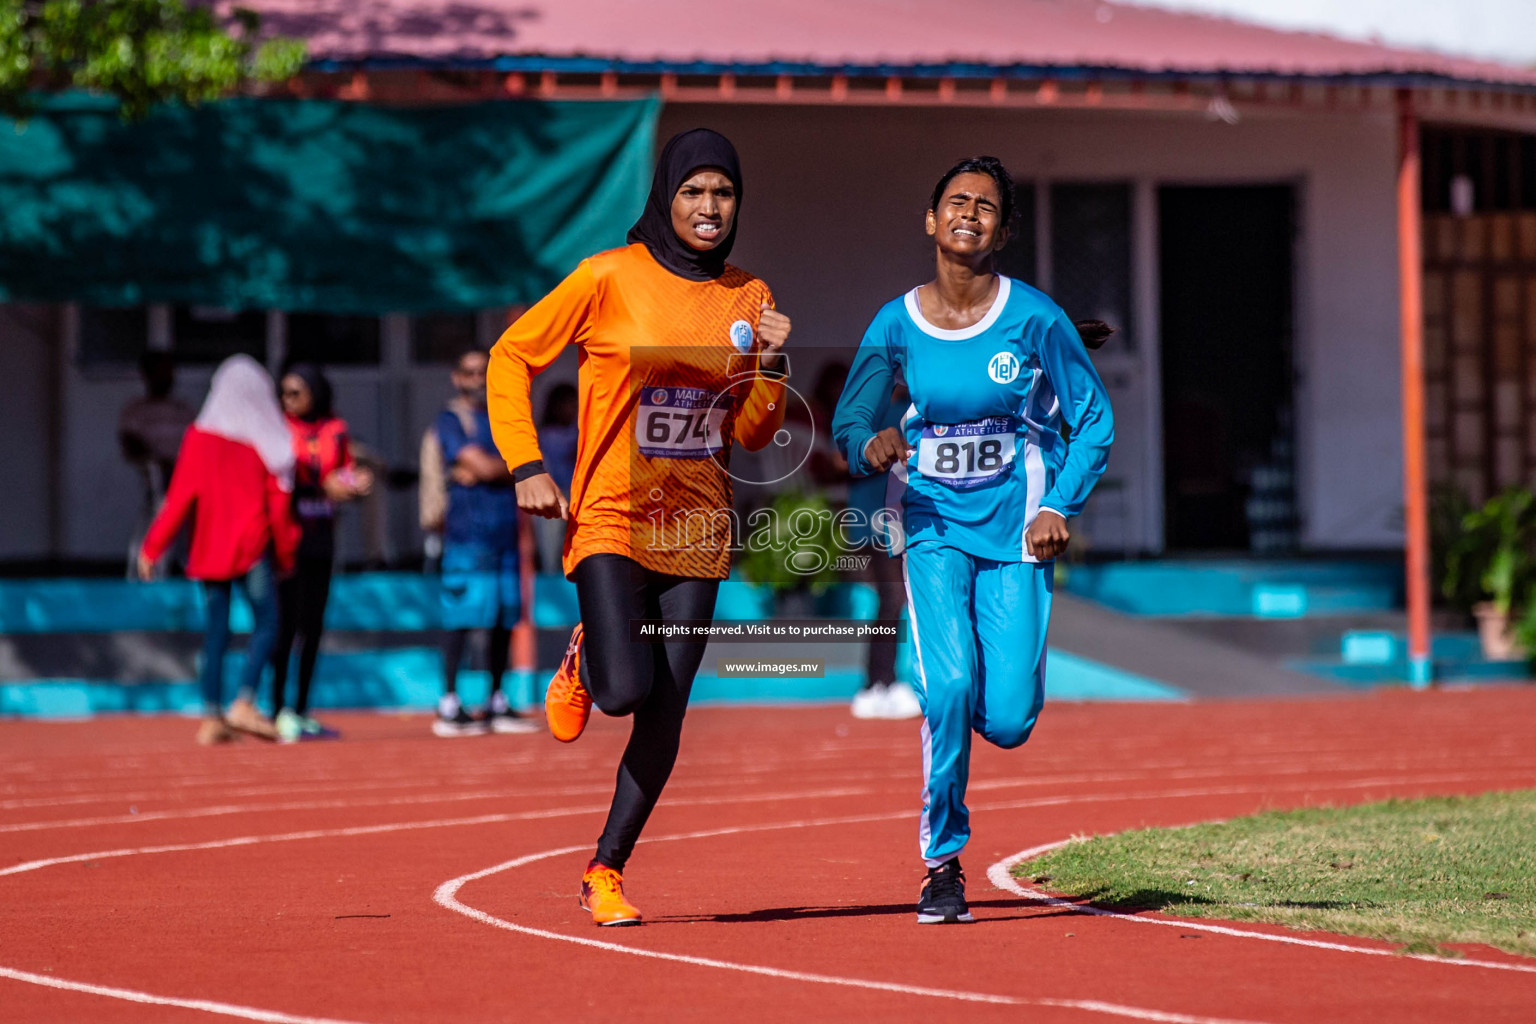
(1091, 256)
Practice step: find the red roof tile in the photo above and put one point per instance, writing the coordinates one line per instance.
(830, 34)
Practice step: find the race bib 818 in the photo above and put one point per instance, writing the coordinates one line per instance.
(964, 455)
(679, 423)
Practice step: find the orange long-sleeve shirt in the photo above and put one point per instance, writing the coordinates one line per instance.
(665, 387)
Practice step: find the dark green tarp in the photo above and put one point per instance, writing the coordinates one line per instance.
(316, 205)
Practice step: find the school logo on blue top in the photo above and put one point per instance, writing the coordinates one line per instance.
(741, 335)
(1003, 367)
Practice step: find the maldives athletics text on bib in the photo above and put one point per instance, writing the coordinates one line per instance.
(966, 455)
(680, 422)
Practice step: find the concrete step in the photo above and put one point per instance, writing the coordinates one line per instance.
(1200, 666)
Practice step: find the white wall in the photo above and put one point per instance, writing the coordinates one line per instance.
(832, 219)
(387, 408)
(834, 200)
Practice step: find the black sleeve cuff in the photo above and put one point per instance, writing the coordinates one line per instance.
(779, 371)
(527, 470)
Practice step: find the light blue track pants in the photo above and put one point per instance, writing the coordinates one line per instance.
(978, 644)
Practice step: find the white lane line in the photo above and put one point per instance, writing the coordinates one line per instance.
(1311, 771)
(305, 782)
(1162, 769)
(402, 826)
(395, 801)
(219, 844)
(486, 819)
(987, 785)
(331, 782)
(1001, 876)
(132, 996)
(446, 895)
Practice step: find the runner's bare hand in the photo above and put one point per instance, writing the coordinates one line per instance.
(772, 329)
(362, 481)
(541, 496)
(884, 449)
(1047, 536)
(772, 333)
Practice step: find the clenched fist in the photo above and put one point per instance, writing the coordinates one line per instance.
(885, 448)
(1047, 536)
(772, 333)
(541, 496)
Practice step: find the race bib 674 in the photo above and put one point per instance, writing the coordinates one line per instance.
(679, 423)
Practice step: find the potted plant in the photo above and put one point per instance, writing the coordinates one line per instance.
(790, 550)
(1496, 548)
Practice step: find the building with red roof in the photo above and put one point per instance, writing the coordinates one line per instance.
(1247, 205)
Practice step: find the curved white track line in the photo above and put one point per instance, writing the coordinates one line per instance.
(393, 801)
(446, 895)
(231, 809)
(284, 837)
(1161, 769)
(128, 994)
(1001, 876)
(254, 1013)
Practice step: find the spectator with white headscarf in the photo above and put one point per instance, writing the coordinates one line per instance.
(234, 479)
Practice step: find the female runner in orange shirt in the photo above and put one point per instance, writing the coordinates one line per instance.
(679, 357)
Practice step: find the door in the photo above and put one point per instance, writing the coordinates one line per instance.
(1225, 259)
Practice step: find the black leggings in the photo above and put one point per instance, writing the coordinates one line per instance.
(498, 653)
(648, 679)
(885, 573)
(301, 601)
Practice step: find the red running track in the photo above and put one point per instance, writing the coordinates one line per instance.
(396, 877)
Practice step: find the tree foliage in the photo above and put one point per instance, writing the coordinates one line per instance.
(142, 52)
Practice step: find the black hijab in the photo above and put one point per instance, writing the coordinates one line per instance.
(319, 390)
(683, 154)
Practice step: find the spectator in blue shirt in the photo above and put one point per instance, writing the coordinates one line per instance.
(481, 582)
(558, 437)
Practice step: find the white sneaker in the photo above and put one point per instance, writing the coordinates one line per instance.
(289, 726)
(901, 702)
(453, 720)
(501, 717)
(870, 702)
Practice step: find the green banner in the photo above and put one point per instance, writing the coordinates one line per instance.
(316, 205)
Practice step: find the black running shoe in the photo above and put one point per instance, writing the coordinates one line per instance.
(942, 900)
(460, 723)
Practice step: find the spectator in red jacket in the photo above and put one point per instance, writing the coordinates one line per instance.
(233, 478)
(324, 476)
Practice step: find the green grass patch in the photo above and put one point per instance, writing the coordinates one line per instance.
(1416, 872)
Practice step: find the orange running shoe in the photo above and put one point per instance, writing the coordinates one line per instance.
(602, 893)
(567, 704)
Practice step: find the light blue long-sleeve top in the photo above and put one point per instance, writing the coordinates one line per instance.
(984, 426)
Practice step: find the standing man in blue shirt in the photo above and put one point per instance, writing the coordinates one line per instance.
(995, 369)
(482, 586)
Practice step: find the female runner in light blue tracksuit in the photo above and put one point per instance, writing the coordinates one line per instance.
(995, 369)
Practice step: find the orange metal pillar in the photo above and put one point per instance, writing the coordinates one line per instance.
(1410, 274)
(524, 636)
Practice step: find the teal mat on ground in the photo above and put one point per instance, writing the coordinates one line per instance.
(412, 678)
(409, 601)
(374, 601)
(408, 677)
(1369, 658)
(1242, 587)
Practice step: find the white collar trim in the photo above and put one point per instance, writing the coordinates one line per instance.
(915, 311)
